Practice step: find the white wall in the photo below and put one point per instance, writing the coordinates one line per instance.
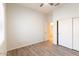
(63, 12)
(2, 30)
(24, 26)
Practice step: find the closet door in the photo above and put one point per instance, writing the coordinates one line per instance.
(65, 33)
(76, 34)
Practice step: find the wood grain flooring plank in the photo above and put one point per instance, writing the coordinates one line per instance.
(43, 49)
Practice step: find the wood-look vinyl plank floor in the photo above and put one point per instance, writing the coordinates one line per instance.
(43, 49)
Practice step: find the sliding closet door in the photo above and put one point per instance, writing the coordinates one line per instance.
(76, 34)
(65, 33)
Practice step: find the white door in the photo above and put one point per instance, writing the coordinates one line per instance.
(76, 34)
(65, 33)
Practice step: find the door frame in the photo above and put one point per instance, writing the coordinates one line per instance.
(57, 32)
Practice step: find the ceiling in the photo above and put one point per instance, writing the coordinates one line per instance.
(46, 8)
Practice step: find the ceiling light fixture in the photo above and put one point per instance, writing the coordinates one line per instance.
(51, 4)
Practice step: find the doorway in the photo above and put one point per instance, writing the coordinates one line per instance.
(57, 32)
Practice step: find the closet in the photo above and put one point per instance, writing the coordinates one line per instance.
(69, 33)
(76, 34)
(65, 33)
